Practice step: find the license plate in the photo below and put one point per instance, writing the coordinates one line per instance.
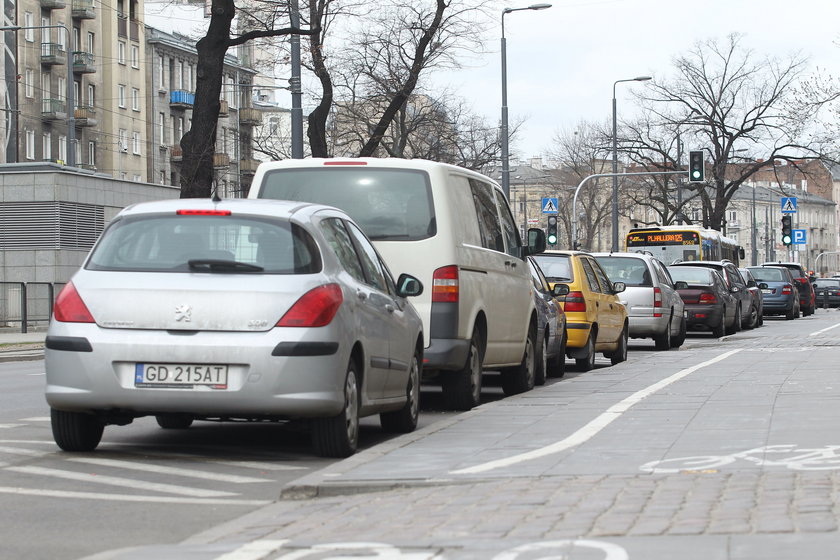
(181, 375)
(766, 291)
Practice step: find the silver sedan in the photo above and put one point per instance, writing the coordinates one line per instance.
(239, 309)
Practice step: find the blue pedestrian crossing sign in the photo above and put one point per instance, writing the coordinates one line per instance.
(799, 237)
(549, 205)
(788, 205)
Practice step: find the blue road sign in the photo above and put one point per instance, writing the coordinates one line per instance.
(788, 205)
(549, 206)
(799, 237)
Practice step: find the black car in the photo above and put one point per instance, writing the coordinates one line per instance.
(827, 292)
(709, 305)
(757, 314)
(551, 344)
(736, 286)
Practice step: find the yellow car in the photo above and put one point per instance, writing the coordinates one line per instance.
(596, 320)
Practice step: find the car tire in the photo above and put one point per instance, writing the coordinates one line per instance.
(791, 314)
(521, 378)
(462, 388)
(753, 322)
(557, 364)
(663, 341)
(587, 363)
(679, 340)
(174, 421)
(720, 329)
(76, 431)
(404, 420)
(338, 436)
(541, 361)
(620, 355)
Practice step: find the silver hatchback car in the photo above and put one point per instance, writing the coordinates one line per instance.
(238, 309)
(654, 307)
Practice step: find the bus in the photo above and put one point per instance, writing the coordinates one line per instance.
(676, 243)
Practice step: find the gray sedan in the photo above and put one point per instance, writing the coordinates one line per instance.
(248, 310)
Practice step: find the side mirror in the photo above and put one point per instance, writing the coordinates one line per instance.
(536, 241)
(409, 286)
(560, 290)
(619, 287)
(680, 285)
(735, 289)
(763, 286)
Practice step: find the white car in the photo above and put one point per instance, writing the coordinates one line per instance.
(248, 310)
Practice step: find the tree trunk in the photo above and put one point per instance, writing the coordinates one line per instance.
(316, 130)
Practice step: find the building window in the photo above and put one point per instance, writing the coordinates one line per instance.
(47, 146)
(92, 153)
(121, 96)
(91, 95)
(30, 144)
(123, 140)
(135, 99)
(162, 177)
(180, 128)
(190, 77)
(135, 56)
(29, 83)
(137, 179)
(162, 128)
(29, 32)
(135, 143)
(121, 52)
(62, 148)
(161, 73)
(62, 88)
(91, 44)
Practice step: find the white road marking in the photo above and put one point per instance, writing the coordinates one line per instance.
(36, 419)
(815, 333)
(37, 374)
(130, 497)
(124, 482)
(253, 550)
(162, 469)
(5, 426)
(611, 551)
(600, 422)
(25, 452)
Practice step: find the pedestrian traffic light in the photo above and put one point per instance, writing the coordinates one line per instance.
(696, 167)
(551, 235)
(787, 230)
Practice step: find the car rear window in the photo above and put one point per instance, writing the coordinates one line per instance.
(767, 275)
(691, 275)
(167, 243)
(556, 268)
(388, 204)
(826, 283)
(633, 272)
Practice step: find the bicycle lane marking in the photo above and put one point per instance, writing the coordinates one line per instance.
(600, 422)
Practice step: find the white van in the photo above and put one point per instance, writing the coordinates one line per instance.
(453, 229)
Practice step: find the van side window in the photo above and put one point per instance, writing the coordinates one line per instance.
(511, 232)
(341, 244)
(488, 216)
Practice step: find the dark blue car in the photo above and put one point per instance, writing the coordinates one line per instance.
(781, 294)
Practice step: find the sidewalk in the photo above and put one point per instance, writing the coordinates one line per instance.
(16, 346)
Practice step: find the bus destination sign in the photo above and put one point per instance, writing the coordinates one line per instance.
(646, 238)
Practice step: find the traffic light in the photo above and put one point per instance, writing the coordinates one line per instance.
(696, 167)
(787, 230)
(551, 234)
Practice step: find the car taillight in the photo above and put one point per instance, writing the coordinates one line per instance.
(574, 302)
(315, 308)
(657, 302)
(787, 289)
(707, 297)
(445, 285)
(69, 307)
(202, 212)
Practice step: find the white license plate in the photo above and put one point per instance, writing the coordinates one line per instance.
(181, 375)
(766, 291)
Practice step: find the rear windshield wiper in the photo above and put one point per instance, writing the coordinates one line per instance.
(216, 265)
(558, 279)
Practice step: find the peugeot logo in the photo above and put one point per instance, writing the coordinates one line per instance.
(183, 313)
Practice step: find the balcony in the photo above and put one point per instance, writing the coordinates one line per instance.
(83, 62)
(87, 166)
(248, 166)
(53, 54)
(83, 9)
(223, 108)
(53, 109)
(180, 99)
(176, 153)
(53, 4)
(85, 115)
(221, 161)
(249, 116)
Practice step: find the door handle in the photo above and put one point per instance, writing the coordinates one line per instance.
(361, 295)
(389, 308)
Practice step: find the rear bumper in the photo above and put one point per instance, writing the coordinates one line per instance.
(641, 327)
(578, 334)
(701, 318)
(446, 354)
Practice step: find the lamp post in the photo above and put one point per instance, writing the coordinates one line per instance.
(505, 139)
(615, 161)
(71, 108)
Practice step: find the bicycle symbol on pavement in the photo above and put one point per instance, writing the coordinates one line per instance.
(789, 456)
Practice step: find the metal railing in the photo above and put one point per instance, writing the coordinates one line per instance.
(27, 303)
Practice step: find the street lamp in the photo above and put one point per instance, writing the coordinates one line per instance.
(71, 108)
(505, 138)
(615, 162)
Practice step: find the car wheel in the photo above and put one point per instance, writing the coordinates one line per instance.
(588, 362)
(679, 340)
(663, 341)
(462, 388)
(338, 436)
(76, 431)
(174, 421)
(620, 355)
(557, 364)
(405, 419)
(720, 329)
(519, 379)
(791, 314)
(541, 361)
(753, 321)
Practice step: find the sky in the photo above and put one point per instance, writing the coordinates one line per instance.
(562, 61)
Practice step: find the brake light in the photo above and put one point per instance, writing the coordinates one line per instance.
(445, 286)
(707, 297)
(657, 301)
(69, 307)
(345, 163)
(787, 290)
(574, 302)
(203, 212)
(315, 308)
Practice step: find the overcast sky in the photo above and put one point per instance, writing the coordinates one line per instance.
(562, 61)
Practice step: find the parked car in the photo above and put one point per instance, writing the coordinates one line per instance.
(807, 297)
(710, 305)
(827, 292)
(757, 310)
(654, 307)
(736, 286)
(780, 291)
(596, 320)
(245, 310)
(453, 229)
(551, 342)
